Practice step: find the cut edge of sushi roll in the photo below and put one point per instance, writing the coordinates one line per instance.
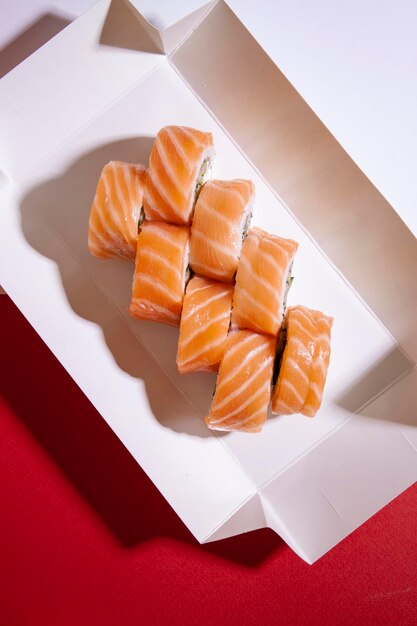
(286, 286)
(141, 218)
(288, 283)
(204, 174)
(245, 223)
(281, 344)
(187, 271)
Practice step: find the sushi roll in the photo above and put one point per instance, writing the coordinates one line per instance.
(161, 272)
(179, 164)
(116, 212)
(204, 325)
(221, 220)
(243, 389)
(303, 362)
(262, 281)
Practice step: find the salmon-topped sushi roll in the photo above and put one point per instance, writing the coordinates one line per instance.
(221, 220)
(180, 162)
(304, 362)
(262, 281)
(161, 272)
(116, 212)
(243, 389)
(204, 325)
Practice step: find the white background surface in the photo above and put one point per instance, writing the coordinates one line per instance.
(354, 62)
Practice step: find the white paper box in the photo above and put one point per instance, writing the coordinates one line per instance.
(101, 90)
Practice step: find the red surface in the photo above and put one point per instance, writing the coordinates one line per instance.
(85, 538)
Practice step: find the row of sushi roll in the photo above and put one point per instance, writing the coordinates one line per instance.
(199, 266)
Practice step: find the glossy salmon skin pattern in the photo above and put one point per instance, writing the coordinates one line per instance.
(216, 232)
(160, 272)
(243, 387)
(174, 164)
(115, 212)
(263, 269)
(204, 325)
(305, 361)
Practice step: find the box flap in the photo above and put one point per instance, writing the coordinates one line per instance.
(249, 516)
(373, 458)
(126, 27)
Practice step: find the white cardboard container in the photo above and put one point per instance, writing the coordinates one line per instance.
(101, 90)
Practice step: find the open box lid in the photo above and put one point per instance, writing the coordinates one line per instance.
(302, 163)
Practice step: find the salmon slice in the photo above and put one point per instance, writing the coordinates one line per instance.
(304, 364)
(221, 220)
(179, 163)
(204, 325)
(116, 211)
(243, 387)
(262, 281)
(161, 272)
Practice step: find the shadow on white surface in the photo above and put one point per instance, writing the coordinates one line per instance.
(27, 42)
(360, 397)
(90, 456)
(64, 204)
